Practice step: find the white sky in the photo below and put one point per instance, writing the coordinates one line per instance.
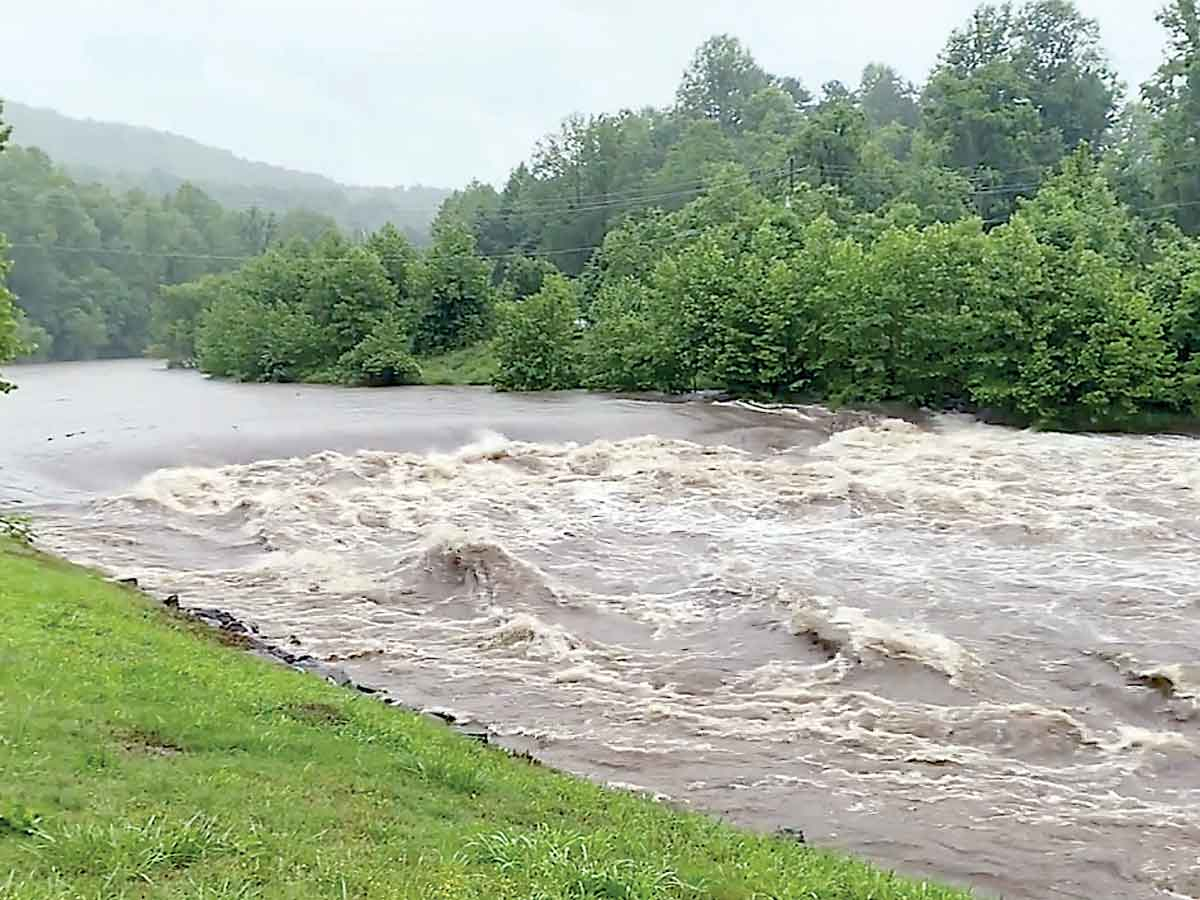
(412, 91)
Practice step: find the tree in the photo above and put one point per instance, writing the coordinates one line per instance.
(763, 326)
(246, 339)
(382, 359)
(689, 163)
(1058, 50)
(1014, 92)
(476, 208)
(794, 88)
(348, 294)
(772, 120)
(720, 81)
(398, 257)
(1173, 95)
(618, 349)
(10, 346)
(535, 340)
(1130, 162)
(1062, 335)
(1077, 209)
(89, 264)
(523, 276)
(454, 292)
(887, 98)
(830, 144)
(1172, 283)
(176, 316)
(690, 288)
(304, 224)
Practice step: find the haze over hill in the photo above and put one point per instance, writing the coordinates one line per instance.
(127, 156)
(370, 92)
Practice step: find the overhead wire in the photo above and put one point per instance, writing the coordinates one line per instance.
(699, 185)
(631, 198)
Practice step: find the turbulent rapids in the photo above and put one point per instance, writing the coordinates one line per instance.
(957, 649)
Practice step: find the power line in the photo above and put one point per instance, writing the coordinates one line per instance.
(213, 257)
(510, 254)
(520, 210)
(600, 201)
(1157, 207)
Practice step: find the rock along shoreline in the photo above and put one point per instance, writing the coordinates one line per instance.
(233, 632)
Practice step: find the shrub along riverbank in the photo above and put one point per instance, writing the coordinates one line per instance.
(1069, 315)
(139, 757)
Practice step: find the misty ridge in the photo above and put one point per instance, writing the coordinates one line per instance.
(128, 157)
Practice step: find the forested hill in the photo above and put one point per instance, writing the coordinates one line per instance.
(127, 157)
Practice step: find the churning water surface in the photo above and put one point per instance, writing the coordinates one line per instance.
(959, 650)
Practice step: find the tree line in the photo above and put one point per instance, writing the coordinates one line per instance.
(1007, 235)
(1069, 314)
(88, 263)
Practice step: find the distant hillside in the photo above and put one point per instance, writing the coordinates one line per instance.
(127, 156)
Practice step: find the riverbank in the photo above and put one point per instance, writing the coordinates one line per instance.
(144, 756)
(474, 365)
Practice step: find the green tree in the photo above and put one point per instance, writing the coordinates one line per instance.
(398, 257)
(1130, 160)
(382, 359)
(454, 292)
(176, 316)
(765, 332)
(1063, 335)
(720, 81)
(305, 225)
(1172, 283)
(830, 144)
(1013, 92)
(535, 340)
(690, 162)
(348, 295)
(887, 98)
(618, 350)
(89, 264)
(523, 276)
(1173, 95)
(1071, 83)
(690, 288)
(1077, 208)
(10, 345)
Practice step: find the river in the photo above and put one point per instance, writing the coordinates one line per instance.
(959, 650)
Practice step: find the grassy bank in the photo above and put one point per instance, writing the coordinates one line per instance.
(139, 757)
(471, 365)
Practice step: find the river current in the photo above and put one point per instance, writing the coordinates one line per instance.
(959, 650)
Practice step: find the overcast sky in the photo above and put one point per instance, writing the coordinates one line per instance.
(412, 91)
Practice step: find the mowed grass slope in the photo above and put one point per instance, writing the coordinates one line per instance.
(139, 757)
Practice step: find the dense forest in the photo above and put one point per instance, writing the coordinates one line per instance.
(1018, 233)
(88, 263)
(126, 158)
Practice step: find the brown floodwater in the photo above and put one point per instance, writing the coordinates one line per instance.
(959, 650)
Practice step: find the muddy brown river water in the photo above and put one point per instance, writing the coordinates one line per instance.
(958, 650)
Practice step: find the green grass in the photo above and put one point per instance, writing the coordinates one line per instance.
(142, 758)
(471, 365)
